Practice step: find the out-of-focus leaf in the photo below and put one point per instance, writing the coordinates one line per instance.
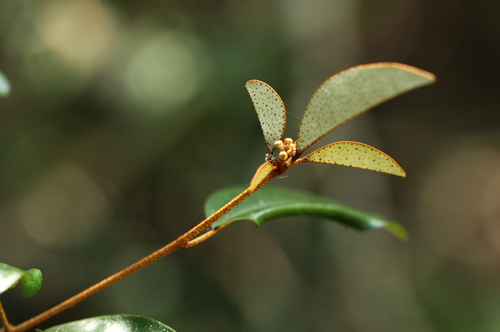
(354, 154)
(32, 281)
(10, 276)
(4, 86)
(113, 323)
(270, 203)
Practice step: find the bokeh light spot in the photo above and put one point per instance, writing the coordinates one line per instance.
(65, 208)
(78, 32)
(452, 205)
(166, 71)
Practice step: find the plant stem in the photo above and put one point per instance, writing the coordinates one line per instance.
(181, 242)
(204, 236)
(4, 320)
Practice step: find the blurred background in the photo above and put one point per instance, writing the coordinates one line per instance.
(125, 115)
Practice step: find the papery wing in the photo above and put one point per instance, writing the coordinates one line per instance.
(261, 176)
(352, 92)
(270, 110)
(354, 154)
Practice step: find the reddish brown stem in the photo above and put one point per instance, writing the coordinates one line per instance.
(97, 287)
(4, 320)
(204, 236)
(181, 242)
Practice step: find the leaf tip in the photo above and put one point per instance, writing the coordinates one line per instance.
(32, 282)
(398, 231)
(250, 82)
(401, 172)
(417, 71)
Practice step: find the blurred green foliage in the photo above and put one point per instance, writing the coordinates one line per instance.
(113, 323)
(10, 276)
(4, 86)
(124, 116)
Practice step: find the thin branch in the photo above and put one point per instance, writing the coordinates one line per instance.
(204, 236)
(4, 320)
(97, 287)
(181, 242)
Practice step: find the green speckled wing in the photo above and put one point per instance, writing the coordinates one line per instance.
(270, 110)
(354, 154)
(352, 92)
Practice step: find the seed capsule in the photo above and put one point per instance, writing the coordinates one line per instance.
(283, 155)
(279, 144)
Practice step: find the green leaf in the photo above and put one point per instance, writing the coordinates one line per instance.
(32, 281)
(4, 86)
(113, 323)
(10, 276)
(269, 203)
